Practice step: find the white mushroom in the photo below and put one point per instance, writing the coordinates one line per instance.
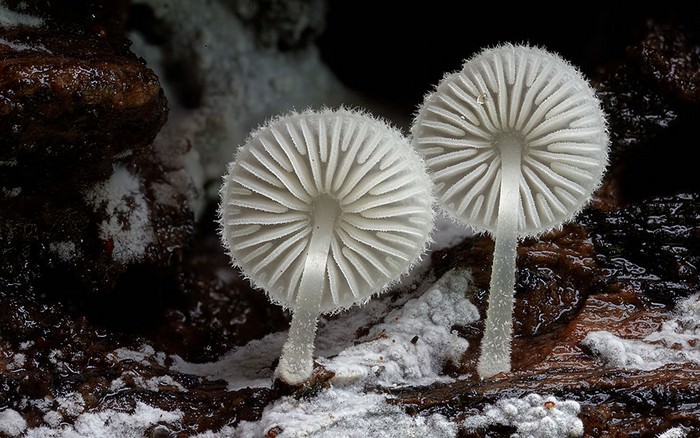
(323, 210)
(516, 142)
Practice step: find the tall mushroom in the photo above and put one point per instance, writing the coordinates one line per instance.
(323, 210)
(516, 143)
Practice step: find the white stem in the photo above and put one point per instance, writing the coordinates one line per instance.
(296, 361)
(498, 333)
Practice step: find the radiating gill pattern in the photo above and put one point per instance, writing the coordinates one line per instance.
(357, 169)
(529, 98)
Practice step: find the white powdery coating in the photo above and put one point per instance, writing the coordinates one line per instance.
(534, 416)
(17, 363)
(144, 356)
(23, 47)
(683, 329)
(11, 423)
(109, 424)
(71, 404)
(53, 418)
(55, 357)
(154, 383)
(677, 341)
(9, 18)
(42, 404)
(249, 366)
(65, 251)
(11, 193)
(128, 225)
(245, 367)
(676, 432)
(429, 317)
(343, 413)
(414, 342)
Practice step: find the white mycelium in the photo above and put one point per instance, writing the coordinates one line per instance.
(322, 210)
(516, 143)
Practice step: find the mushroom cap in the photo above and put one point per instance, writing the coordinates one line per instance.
(357, 168)
(526, 96)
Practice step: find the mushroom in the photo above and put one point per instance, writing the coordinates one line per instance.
(516, 143)
(323, 210)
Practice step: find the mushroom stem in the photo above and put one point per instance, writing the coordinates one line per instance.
(296, 361)
(498, 333)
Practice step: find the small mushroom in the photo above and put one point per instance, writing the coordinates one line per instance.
(516, 143)
(323, 210)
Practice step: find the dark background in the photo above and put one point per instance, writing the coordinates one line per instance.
(396, 52)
